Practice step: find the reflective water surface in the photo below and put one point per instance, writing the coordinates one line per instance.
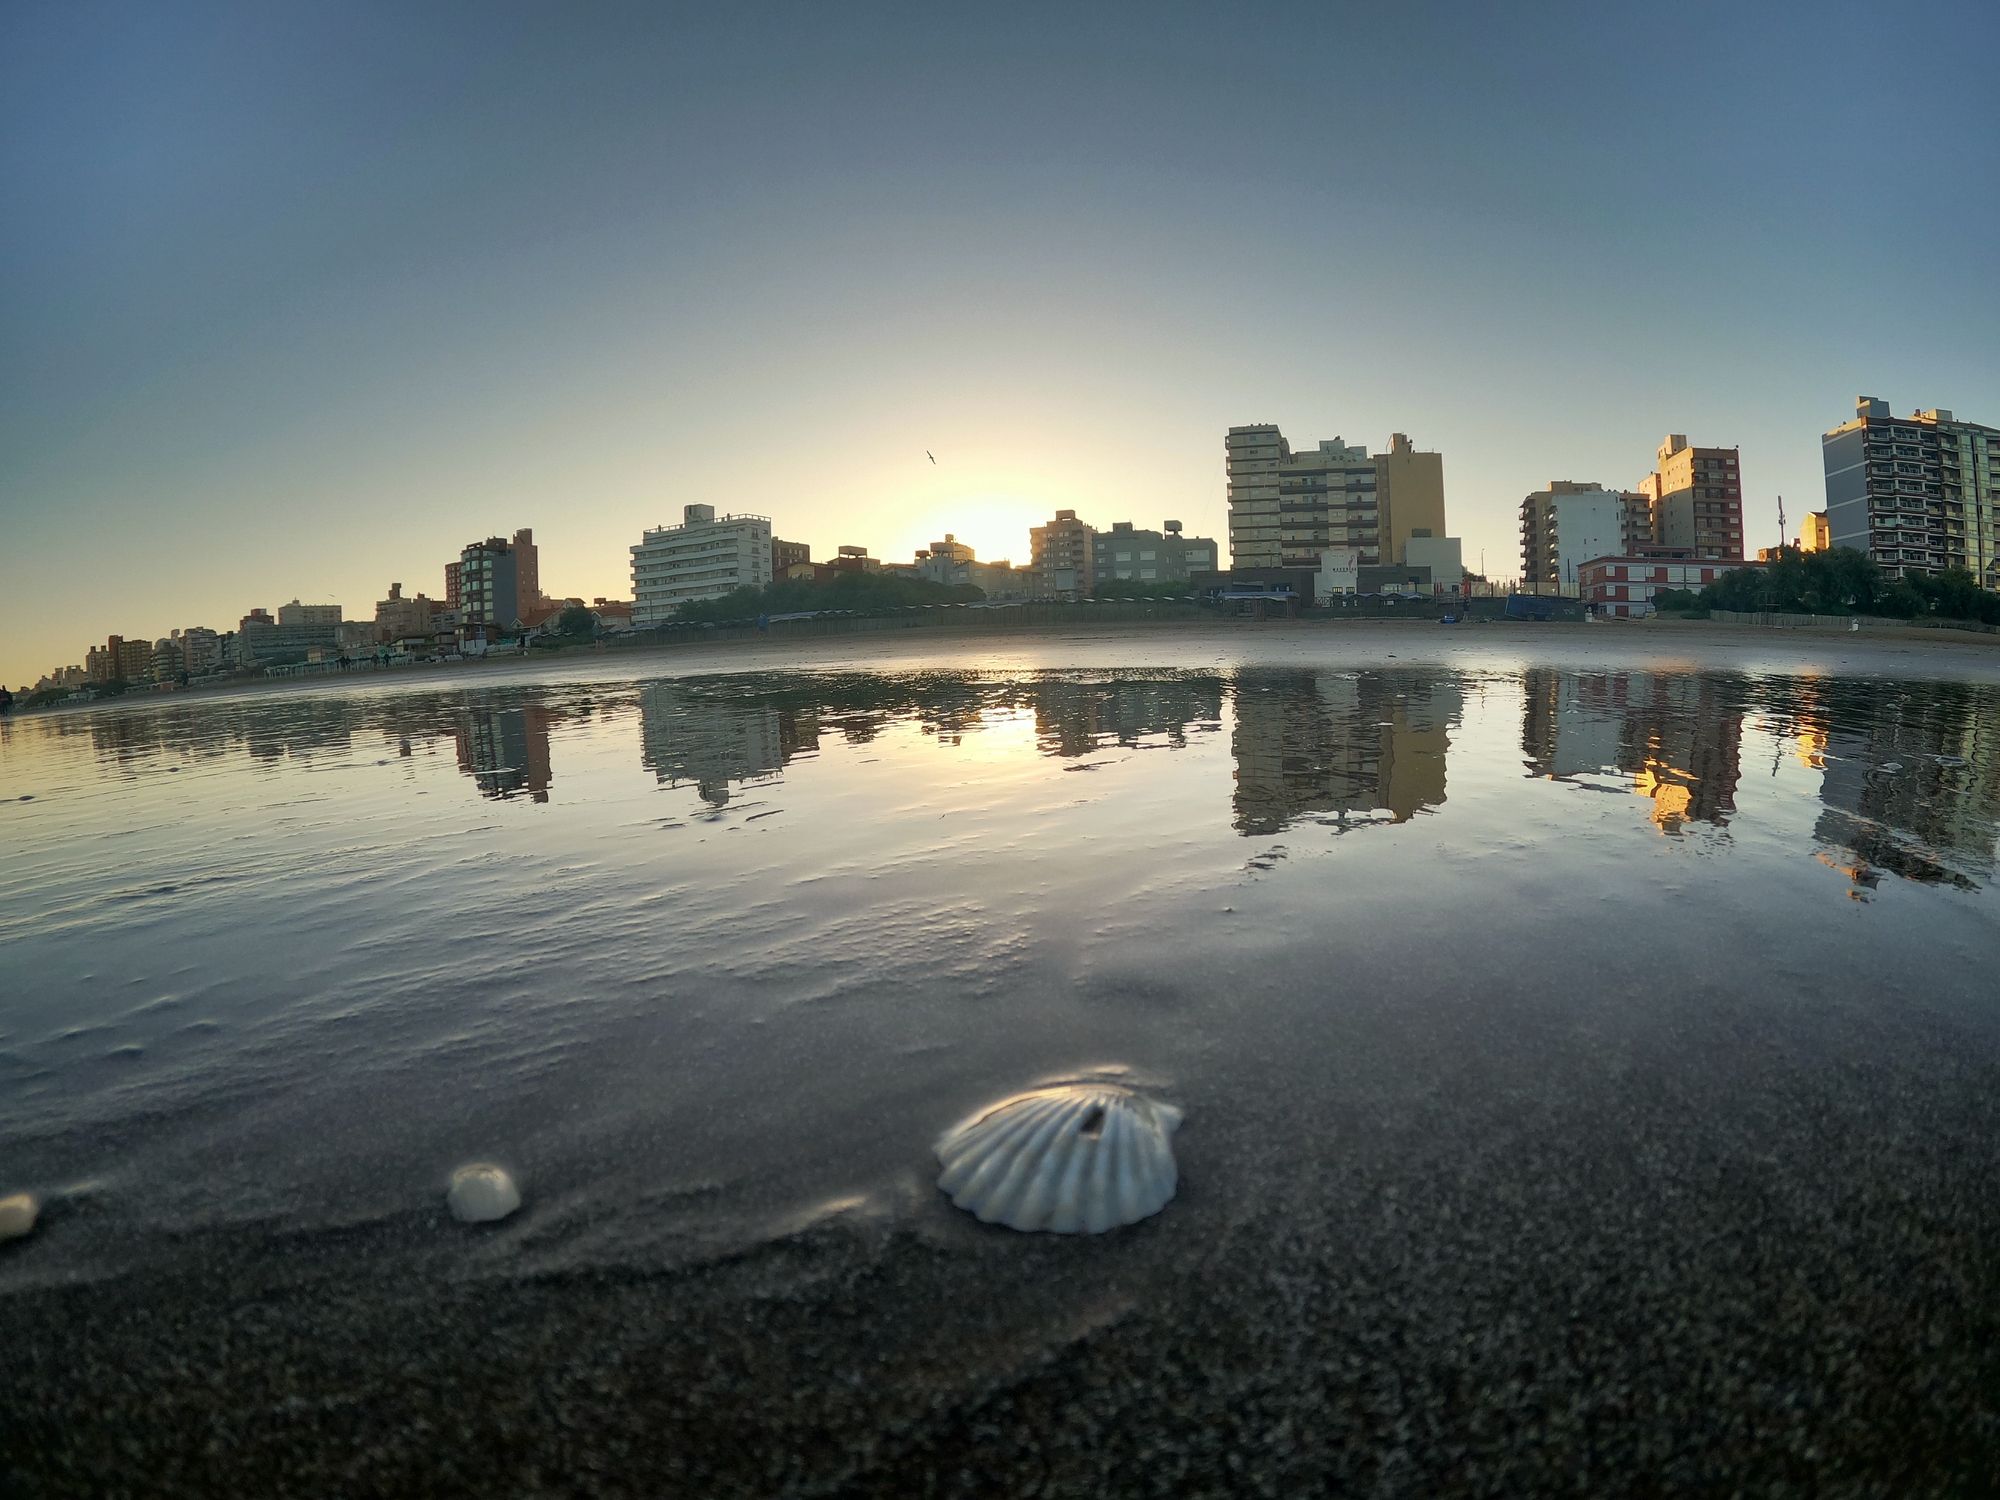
(355, 934)
(707, 960)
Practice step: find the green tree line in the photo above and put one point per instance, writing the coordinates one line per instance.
(861, 592)
(1840, 581)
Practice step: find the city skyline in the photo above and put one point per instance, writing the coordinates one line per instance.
(303, 301)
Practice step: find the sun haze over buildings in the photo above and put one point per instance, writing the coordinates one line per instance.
(337, 288)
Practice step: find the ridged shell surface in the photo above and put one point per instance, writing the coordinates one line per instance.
(1075, 1159)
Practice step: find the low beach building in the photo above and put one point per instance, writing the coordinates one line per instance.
(1623, 587)
(1164, 556)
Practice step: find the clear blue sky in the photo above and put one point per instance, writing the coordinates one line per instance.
(299, 298)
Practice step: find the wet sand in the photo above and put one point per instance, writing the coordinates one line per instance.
(1776, 1278)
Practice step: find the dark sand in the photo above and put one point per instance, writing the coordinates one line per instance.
(1531, 1274)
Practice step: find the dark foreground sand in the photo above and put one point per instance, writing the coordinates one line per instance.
(1773, 1275)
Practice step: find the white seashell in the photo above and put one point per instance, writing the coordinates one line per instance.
(1080, 1158)
(18, 1212)
(481, 1193)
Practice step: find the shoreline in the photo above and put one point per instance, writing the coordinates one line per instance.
(1874, 650)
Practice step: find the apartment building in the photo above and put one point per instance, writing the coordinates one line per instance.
(1411, 487)
(1919, 494)
(704, 557)
(296, 613)
(953, 563)
(398, 618)
(528, 570)
(1696, 499)
(1286, 508)
(119, 660)
(489, 584)
(785, 556)
(1166, 555)
(1064, 555)
(201, 650)
(1567, 524)
(1813, 533)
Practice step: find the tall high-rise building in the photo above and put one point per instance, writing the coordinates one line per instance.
(1286, 507)
(120, 660)
(704, 557)
(1919, 494)
(489, 584)
(454, 585)
(1568, 524)
(201, 650)
(1411, 487)
(528, 569)
(1064, 554)
(1696, 497)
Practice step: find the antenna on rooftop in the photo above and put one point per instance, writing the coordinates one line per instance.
(1781, 520)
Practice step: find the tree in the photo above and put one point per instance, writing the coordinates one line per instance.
(576, 620)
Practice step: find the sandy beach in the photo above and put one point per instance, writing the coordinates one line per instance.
(1585, 1035)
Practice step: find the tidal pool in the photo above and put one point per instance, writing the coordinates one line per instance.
(1590, 1069)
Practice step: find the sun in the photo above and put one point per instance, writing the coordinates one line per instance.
(993, 524)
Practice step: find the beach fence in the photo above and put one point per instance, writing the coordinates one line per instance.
(1782, 619)
(1842, 622)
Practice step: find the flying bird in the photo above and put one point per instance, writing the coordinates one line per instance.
(928, 454)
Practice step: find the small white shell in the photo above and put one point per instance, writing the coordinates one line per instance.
(18, 1212)
(481, 1193)
(1080, 1158)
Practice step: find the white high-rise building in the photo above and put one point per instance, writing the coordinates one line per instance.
(704, 557)
(1566, 525)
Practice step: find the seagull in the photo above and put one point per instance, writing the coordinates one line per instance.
(928, 454)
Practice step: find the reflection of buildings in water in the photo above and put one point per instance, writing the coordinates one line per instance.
(505, 750)
(1074, 718)
(1567, 725)
(1910, 777)
(1677, 735)
(690, 738)
(266, 732)
(1334, 743)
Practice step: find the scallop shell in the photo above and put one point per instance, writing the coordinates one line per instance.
(1080, 1158)
(481, 1193)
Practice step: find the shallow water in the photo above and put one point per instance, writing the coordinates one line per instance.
(697, 955)
(706, 959)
